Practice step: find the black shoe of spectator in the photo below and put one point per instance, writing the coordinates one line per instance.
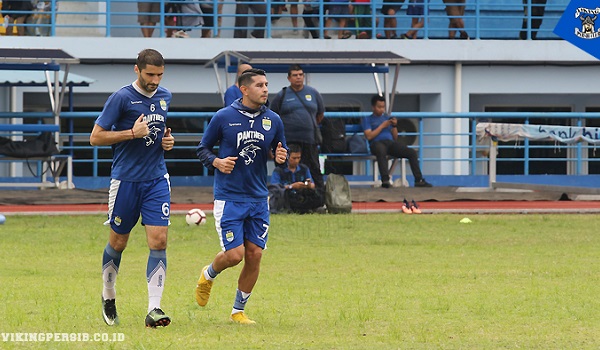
(422, 183)
(386, 185)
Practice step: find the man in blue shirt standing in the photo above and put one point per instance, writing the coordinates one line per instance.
(249, 135)
(380, 130)
(133, 122)
(301, 108)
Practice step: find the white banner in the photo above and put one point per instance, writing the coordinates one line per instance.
(512, 132)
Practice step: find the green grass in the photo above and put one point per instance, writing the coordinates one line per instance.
(376, 281)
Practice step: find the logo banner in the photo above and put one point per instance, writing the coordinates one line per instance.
(578, 26)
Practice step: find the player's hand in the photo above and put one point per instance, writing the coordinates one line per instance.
(225, 165)
(280, 154)
(140, 127)
(168, 141)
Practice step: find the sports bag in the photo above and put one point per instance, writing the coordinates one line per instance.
(303, 201)
(337, 194)
(41, 146)
(357, 144)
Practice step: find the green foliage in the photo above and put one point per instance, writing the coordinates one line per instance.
(359, 281)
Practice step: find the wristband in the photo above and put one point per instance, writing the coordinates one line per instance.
(132, 134)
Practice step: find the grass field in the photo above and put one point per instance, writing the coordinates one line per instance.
(374, 281)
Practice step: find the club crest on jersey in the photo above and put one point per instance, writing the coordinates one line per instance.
(308, 97)
(266, 124)
(163, 105)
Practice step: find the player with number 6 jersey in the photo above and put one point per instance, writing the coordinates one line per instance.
(133, 122)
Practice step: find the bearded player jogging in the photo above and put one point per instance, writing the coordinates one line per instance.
(250, 134)
(133, 122)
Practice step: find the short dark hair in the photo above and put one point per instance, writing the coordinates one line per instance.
(375, 99)
(246, 77)
(149, 57)
(294, 67)
(295, 148)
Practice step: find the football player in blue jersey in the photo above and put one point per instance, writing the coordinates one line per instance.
(250, 135)
(133, 122)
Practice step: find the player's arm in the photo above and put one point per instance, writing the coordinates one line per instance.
(103, 137)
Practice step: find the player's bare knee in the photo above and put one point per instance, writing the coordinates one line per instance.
(253, 254)
(118, 241)
(234, 256)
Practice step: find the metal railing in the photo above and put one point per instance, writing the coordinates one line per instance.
(436, 146)
(483, 19)
(432, 141)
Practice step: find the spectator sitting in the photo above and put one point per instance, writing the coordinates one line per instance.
(339, 10)
(380, 129)
(389, 9)
(538, 7)
(208, 15)
(415, 9)
(310, 15)
(16, 19)
(362, 18)
(299, 195)
(186, 15)
(148, 17)
(259, 8)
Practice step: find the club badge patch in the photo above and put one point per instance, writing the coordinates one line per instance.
(266, 124)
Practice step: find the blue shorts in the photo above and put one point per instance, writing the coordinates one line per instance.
(237, 222)
(127, 200)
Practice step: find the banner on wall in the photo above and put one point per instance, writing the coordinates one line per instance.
(514, 132)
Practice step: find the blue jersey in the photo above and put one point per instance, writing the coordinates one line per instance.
(372, 122)
(140, 159)
(231, 94)
(250, 135)
(284, 176)
(298, 111)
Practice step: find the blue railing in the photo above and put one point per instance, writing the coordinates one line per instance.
(483, 19)
(437, 146)
(430, 140)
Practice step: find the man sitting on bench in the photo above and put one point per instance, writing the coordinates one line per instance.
(380, 130)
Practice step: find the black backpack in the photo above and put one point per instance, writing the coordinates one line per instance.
(334, 135)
